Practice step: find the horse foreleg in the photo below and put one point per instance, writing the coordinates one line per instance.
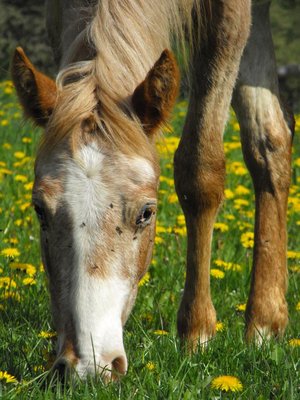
(266, 142)
(199, 159)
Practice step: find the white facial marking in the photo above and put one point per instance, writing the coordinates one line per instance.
(143, 168)
(96, 301)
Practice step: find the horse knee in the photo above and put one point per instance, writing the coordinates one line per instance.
(199, 182)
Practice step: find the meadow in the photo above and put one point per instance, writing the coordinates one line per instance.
(158, 369)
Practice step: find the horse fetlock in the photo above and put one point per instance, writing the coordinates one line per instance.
(266, 318)
(196, 325)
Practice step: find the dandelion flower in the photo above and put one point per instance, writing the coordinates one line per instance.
(173, 198)
(19, 154)
(227, 383)
(294, 342)
(10, 295)
(180, 220)
(298, 306)
(241, 190)
(219, 326)
(7, 282)
(7, 378)
(228, 194)
(240, 307)
(247, 240)
(26, 140)
(293, 254)
(47, 334)
(28, 186)
(295, 268)
(158, 240)
(217, 273)
(21, 178)
(150, 366)
(29, 281)
(219, 226)
(160, 332)
(180, 231)
(145, 279)
(10, 252)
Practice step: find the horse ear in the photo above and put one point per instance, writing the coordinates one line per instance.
(154, 98)
(36, 92)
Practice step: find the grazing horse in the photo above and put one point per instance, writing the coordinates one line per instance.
(96, 172)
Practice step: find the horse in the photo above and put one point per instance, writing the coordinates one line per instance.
(97, 172)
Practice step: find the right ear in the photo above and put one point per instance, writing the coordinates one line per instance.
(36, 92)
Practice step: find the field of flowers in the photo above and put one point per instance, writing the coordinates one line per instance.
(157, 368)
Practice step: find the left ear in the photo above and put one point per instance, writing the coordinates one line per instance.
(154, 98)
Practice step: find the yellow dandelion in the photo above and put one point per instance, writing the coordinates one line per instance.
(29, 281)
(162, 229)
(217, 273)
(19, 154)
(239, 203)
(25, 206)
(172, 198)
(228, 194)
(180, 231)
(180, 220)
(293, 254)
(145, 279)
(18, 222)
(6, 146)
(227, 383)
(158, 240)
(29, 269)
(230, 217)
(297, 162)
(220, 226)
(298, 306)
(5, 171)
(295, 268)
(228, 146)
(8, 90)
(26, 139)
(294, 342)
(39, 368)
(247, 240)
(21, 178)
(240, 307)
(10, 295)
(220, 326)
(10, 252)
(47, 334)
(7, 282)
(150, 366)
(241, 190)
(28, 186)
(4, 122)
(160, 332)
(7, 378)
(168, 181)
(12, 240)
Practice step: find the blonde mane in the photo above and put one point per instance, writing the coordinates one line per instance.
(124, 39)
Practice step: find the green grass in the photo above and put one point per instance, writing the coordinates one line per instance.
(158, 369)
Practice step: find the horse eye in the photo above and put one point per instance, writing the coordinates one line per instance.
(145, 215)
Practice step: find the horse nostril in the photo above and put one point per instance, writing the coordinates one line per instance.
(119, 366)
